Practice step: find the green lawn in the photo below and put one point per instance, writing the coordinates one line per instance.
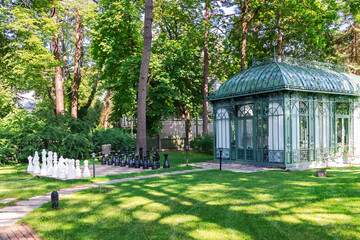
(14, 182)
(211, 205)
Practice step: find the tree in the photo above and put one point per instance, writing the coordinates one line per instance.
(59, 82)
(143, 78)
(205, 116)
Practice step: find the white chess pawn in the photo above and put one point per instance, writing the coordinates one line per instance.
(86, 172)
(77, 169)
(30, 167)
(71, 171)
(61, 168)
(50, 164)
(36, 163)
(44, 165)
(55, 172)
(66, 162)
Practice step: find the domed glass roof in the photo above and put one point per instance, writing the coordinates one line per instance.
(278, 76)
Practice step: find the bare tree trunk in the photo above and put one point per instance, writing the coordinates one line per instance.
(79, 53)
(188, 131)
(356, 41)
(280, 38)
(66, 71)
(144, 71)
(107, 110)
(59, 82)
(205, 126)
(243, 45)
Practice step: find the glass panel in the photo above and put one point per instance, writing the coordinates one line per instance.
(346, 131)
(339, 131)
(342, 108)
(357, 130)
(245, 110)
(240, 133)
(249, 134)
(281, 133)
(265, 133)
(222, 129)
(303, 132)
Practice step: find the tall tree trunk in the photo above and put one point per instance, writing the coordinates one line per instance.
(66, 72)
(187, 119)
(59, 82)
(280, 38)
(107, 110)
(205, 126)
(144, 71)
(79, 53)
(243, 44)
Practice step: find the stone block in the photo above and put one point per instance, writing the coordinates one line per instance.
(106, 149)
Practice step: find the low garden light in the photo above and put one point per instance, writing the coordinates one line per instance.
(220, 150)
(187, 154)
(93, 157)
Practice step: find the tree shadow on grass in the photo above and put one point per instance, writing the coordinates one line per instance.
(208, 205)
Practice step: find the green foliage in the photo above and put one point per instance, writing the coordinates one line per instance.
(117, 137)
(23, 133)
(203, 143)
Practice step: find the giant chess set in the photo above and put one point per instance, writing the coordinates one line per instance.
(63, 169)
(70, 169)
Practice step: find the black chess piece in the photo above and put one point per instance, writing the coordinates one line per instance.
(109, 157)
(153, 166)
(166, 162)
(127, 156)
(148, 153)
(133, 150)
(122, 160)
(131, 161)
(157, 157)
(117, 161)
(141, 163)
(103, 160)
(145, 166)
(137, 164)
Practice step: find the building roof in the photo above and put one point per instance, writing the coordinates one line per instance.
(278, 76)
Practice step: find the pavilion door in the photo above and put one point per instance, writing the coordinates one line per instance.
(245, 139)
(342, 132)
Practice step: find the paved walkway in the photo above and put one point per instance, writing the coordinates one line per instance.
(12, 214)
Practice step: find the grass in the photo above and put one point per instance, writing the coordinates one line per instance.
(14, 182)
(211, 205)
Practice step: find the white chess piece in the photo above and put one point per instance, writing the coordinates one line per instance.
(86, 172)
(71, 171)
(61, 168)
(44, 165)
(50, 164)
(30, 167)
(55, 172)
(36, 163)
(66, 162)
(77, 169)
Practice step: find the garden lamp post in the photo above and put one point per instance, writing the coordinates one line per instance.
(220, 150)
(187, 154)
(93, 157)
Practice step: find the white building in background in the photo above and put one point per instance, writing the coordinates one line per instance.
(26, 100)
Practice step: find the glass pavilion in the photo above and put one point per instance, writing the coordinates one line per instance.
(287, 115)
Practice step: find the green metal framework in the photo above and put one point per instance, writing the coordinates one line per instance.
(287, 127)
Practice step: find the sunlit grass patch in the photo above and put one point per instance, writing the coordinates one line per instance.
(212, 205)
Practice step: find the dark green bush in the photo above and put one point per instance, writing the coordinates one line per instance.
(117, 137)
(203, 143)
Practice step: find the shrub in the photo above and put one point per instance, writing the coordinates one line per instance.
(203, 143)
(117, 137)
